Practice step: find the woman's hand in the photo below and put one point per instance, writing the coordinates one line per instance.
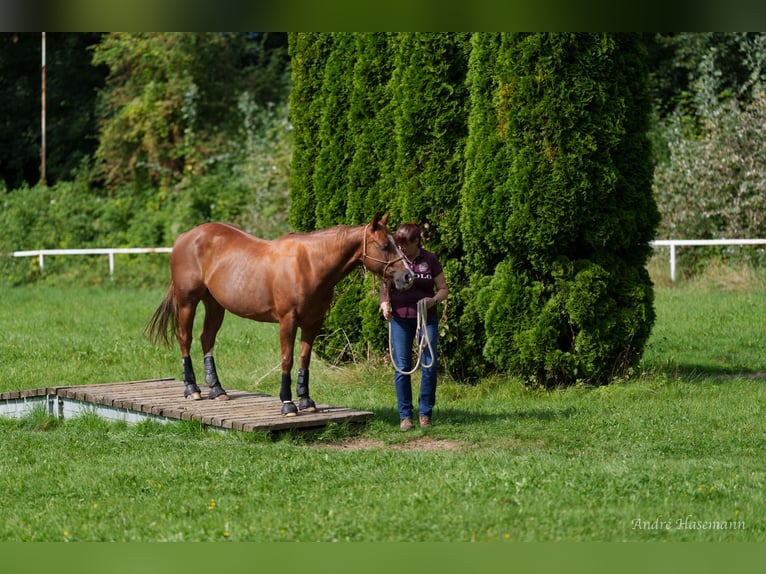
(388, 312)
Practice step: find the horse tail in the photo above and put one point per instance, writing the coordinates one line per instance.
(164, 321)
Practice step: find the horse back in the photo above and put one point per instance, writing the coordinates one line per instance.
(247, 275)
(198, 252)
(214, 240)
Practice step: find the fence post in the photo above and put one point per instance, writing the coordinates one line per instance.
(672, 262)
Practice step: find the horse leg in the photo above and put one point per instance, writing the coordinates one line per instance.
(186, 313)
(307, 340)
(287, 329)
(214, 314)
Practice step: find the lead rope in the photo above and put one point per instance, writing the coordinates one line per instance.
(421, 337)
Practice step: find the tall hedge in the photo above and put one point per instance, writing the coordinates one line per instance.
(572, 300)
(308, 53)
(485, 165)
(371, 125)
(353, 325)
(485, 161)
(431, 98)
(389, 122)
(525, 158)
(335, 145)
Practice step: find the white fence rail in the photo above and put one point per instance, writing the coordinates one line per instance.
(673, 243)
(670, 243)
(110, 251)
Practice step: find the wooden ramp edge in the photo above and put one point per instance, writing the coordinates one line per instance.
(162, 400)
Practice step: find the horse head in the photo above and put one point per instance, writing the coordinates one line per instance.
(382, 256)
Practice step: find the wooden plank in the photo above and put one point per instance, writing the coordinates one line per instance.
(33, 393)
(29, 393)
(244, 411)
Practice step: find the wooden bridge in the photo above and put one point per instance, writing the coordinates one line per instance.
(162, 400)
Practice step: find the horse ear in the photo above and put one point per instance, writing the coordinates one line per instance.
(379, 220)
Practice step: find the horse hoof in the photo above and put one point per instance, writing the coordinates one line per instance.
(307, 405)
(289, 409)
(192, 392)
(217, 393)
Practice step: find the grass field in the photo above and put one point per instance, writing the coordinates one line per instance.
(674, 454)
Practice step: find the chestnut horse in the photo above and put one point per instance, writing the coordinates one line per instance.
(289, 280)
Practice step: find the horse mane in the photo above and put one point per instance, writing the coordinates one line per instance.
(339, 232)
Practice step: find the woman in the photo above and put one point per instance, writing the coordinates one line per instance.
(401, 309)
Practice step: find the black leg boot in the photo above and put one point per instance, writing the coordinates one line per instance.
(286, 396)
(211, 378)
(192, 390)
(305, 403)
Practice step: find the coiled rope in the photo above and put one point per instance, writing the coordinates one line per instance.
(421, 339)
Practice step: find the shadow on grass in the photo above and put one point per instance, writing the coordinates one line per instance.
(457, 416)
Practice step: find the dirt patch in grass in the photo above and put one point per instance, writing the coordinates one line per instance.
(420, 443)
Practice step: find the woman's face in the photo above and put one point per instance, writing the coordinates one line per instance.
(410, 248)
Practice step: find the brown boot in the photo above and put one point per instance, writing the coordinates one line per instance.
(405, 425)
(425, 422)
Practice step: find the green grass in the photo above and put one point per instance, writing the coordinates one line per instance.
(680, 444)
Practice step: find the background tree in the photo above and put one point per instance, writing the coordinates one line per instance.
(708, 137)
(486, 164)
(71, 84)
(430, 99)
(235, 148)
(171, 131)
(336, 142)
(689, 69)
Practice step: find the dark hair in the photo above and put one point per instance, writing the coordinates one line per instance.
(407, 233)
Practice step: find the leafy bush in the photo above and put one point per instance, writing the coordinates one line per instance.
(41, 217)
(246, 185)
(712, 184)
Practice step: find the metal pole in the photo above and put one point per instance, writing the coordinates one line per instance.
(43, 150)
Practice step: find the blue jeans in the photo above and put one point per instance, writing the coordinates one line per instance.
(402, 337)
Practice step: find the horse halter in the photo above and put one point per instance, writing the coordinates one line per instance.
(365, 256)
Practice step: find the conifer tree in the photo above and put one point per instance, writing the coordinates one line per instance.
(525, 153)
(371, 127)
(430, 96)
(330, 181)
(572, 300)
(486, 163)
(309, 52)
